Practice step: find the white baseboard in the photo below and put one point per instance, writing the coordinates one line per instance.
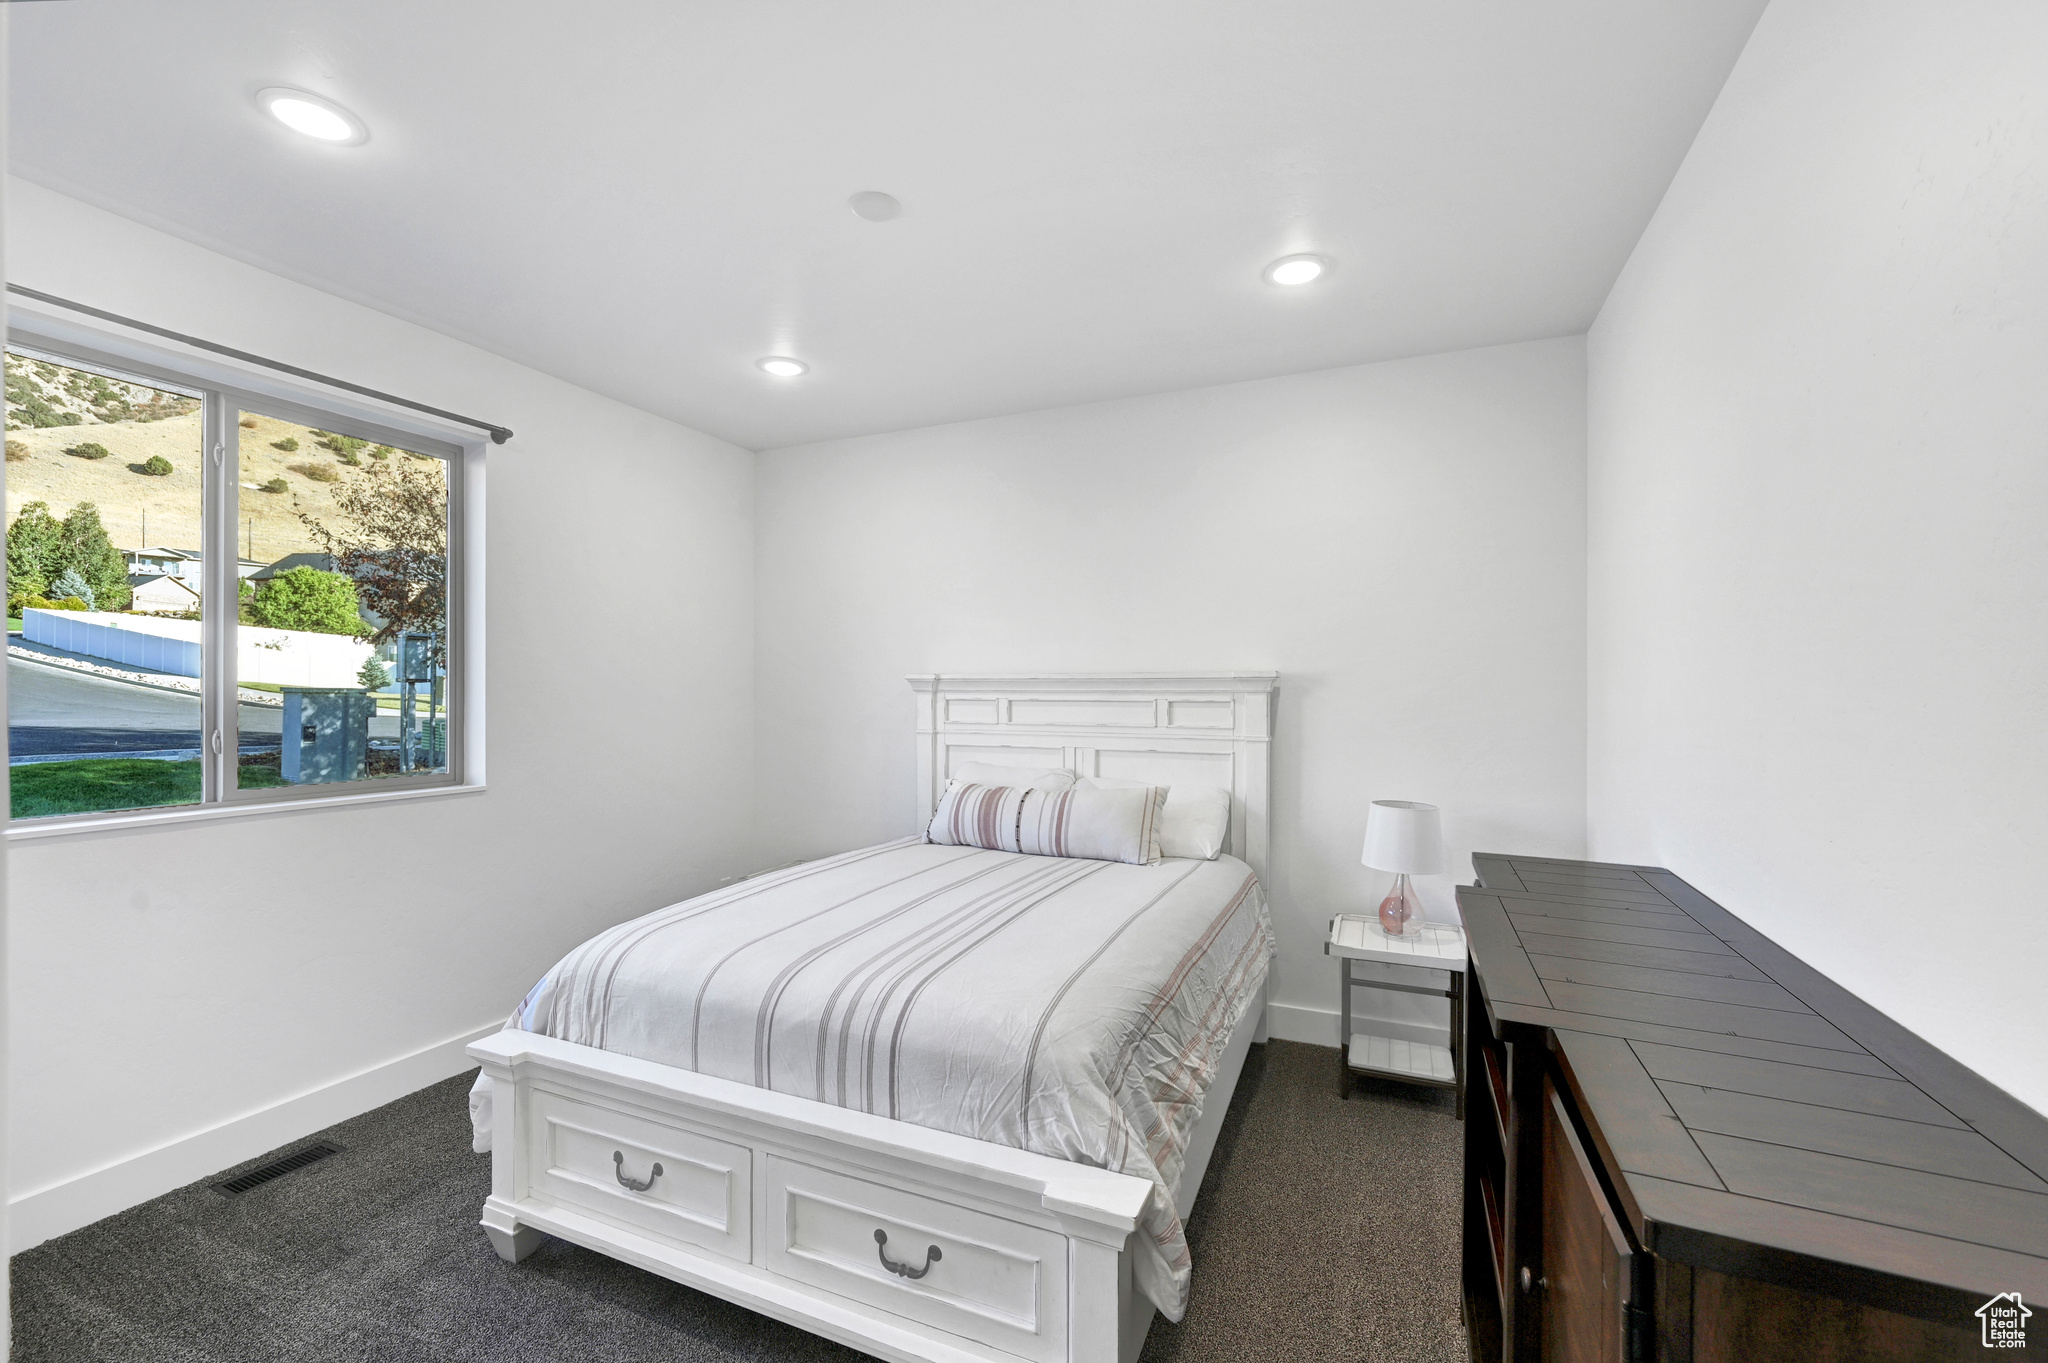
(1318, 1026)
(36, 1216)
(57, 1208)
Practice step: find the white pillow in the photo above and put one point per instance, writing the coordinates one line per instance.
(1104, 825)
(1197, 819)
(1022, 778)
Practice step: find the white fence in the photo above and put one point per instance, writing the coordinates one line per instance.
(280, 657)
(136, 641)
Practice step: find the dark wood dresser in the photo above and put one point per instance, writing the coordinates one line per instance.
(1682, 1144)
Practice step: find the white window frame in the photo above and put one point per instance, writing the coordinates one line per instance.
(227, 390)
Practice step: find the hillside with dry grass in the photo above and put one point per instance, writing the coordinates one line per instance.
(133, 424)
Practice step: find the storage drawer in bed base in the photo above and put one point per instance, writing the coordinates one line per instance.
(774, 1202)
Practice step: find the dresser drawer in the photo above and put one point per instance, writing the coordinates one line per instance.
(997, 1281)
(579, 1154)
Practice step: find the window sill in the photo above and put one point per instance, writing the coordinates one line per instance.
(29, 830)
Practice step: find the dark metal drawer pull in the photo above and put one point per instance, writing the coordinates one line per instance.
(619, 1168)
(931, 1256)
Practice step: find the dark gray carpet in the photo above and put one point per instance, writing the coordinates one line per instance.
(1325, 1230)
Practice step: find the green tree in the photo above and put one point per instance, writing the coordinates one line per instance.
(308, 599)
(374, 675)
(392, 538)
(32, 558)
(84, 545)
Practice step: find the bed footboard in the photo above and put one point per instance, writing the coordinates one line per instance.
(908, 1243)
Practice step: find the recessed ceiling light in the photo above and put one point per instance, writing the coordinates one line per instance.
(874, 205)
(782, 366)
(317, 118)
(1292, 270)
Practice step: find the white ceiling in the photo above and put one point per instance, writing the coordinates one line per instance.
(645, 196)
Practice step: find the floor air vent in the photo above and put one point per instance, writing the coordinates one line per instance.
(277, 1168)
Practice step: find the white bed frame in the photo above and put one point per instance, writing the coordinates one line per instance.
(789, 1206)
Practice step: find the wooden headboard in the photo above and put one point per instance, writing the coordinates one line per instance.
(1194, 728)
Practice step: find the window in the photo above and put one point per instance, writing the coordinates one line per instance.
(274, 622)
(343, 613)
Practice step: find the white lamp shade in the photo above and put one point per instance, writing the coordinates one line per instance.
(1403, 836)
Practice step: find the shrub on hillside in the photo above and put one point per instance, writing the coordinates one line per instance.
(380, 451)
(345, 446)
(319, 473)
(35, 410)
(91, 449)
(248, 423)
(17, 450)
(277, 485)
(157, 466)
(289, 444)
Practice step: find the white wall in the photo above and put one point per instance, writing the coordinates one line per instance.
(208, 991)
(1403, 542)
(1818, 485)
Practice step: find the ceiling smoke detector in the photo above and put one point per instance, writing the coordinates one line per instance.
(874, 205)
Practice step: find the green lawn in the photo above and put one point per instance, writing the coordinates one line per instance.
(94, 784)
(383, 702)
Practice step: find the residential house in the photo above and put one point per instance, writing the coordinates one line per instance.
(162, 593)
(180, 563)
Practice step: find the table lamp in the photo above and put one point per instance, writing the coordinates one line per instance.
(1406, 838)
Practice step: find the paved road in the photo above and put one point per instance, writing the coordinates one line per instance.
(55, 710)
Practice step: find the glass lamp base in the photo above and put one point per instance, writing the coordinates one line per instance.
(1401, 911)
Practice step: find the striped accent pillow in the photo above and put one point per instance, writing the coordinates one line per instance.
(1101, 825)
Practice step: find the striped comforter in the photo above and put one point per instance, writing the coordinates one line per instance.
(1074, 1008)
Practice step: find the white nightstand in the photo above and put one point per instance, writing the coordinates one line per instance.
(1437, 946)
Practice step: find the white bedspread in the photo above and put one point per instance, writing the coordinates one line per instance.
(1074, 1008)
